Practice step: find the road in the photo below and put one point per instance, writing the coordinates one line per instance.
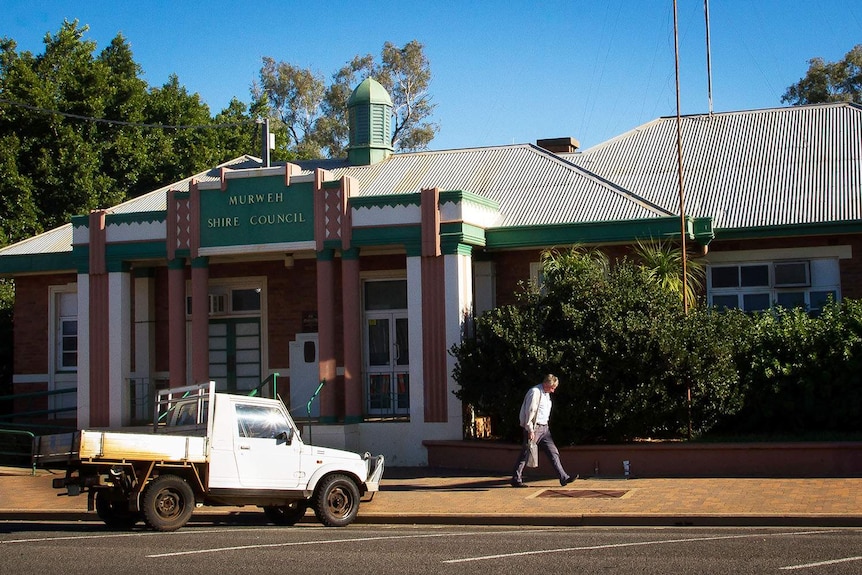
(85, 547)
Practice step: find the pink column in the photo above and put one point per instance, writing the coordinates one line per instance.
(326, 335)
(350, 287)
(200, 320)
(177, 322)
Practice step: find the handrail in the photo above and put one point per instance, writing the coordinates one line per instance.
(27, 412)
(308, 407)
(21, 453)
(273, 379)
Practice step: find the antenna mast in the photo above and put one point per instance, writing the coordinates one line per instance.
(708, 56)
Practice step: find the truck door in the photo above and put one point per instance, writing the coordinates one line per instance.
(267, 455)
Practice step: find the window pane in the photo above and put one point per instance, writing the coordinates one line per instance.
(725, 277)
(755, 276)
(755, 301)
(386, 295)
(791, 299)
(725, 301)
(70, 327)
(245, 300)
(819, 299)
(791, 273)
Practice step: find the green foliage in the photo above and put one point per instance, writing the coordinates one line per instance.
(312, 115)
(628, 357)
(839, 81)
(76, 131)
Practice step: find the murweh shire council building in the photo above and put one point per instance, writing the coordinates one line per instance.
(364, 271)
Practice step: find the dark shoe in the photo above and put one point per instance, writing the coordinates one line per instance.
(568, 480)
(517, 484)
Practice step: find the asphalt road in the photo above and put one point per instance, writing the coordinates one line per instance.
(78, 547)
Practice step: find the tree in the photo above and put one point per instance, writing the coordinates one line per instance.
(81, 130)
(662, 262)
(839, 81)
(313, 114)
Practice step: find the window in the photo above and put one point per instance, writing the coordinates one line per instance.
(66, 338)
(758, 286)
(261, 421)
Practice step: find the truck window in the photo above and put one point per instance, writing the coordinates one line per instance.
(260, 421)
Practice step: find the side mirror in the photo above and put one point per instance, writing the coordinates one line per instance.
(285, 436)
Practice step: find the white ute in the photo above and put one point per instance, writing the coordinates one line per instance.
(209, 448)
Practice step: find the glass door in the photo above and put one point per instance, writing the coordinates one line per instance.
(387, 363)
(234, 345)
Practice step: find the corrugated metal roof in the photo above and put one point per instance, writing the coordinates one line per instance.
(774, 167)
(55, 241)
(531, 186)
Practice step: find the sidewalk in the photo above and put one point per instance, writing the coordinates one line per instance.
(440, 496)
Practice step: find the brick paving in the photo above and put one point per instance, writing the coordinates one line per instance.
(421, 495)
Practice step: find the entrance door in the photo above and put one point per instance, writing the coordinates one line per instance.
(235, 353)
(387, 363)
(304, 376)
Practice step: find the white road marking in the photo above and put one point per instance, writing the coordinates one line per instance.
(113, 535)
(820, 563)
(345, 540)
(633, 544)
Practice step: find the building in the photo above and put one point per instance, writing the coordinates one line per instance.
(363, 272)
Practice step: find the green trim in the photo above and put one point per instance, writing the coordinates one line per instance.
(387, 201)
(200, 262)
(150, 217)
(387, 235)
(326, 255)
(466, 233)
(350, 254)
(327, 420)
(460, 196)
(351, 419)
(177, 264)
(330, 184)
(699, 229)
(136, 251)
(818, 229)
(177, 195)
(114, 266)
(38, 263)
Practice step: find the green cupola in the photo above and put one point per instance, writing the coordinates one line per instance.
(369, 110)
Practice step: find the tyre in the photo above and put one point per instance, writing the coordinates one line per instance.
(168, 503)
(336, 501)
(289, 514)
(115, 511)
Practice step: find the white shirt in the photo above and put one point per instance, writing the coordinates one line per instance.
(536, 409)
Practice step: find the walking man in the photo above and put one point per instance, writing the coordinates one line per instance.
(535, 412)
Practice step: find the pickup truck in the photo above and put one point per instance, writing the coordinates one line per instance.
(209, 448)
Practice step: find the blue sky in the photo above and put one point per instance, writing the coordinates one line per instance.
(503, 72)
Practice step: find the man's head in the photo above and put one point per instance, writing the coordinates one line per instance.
(550, 383)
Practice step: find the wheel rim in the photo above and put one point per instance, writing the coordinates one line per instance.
(339, 502)
(169, 504)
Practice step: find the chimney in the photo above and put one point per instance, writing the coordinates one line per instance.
(267, 142)
(559, 145)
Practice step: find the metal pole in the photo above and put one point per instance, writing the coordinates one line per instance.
(708, 56)
(681, 197)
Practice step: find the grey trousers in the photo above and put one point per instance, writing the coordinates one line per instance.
(545, 442)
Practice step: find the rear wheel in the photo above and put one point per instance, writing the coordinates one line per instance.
(336, 501)
(115, 511)
(289, 514)
(168, 503)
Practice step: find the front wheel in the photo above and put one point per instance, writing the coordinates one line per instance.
(336, 501)
(168, 503)
(288, 514)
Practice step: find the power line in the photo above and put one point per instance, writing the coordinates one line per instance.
(124, 123)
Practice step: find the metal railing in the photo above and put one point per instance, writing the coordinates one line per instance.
(16, 449)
